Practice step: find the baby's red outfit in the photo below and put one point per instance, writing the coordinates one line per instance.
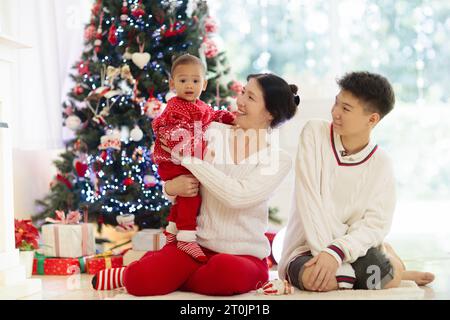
(176, 122)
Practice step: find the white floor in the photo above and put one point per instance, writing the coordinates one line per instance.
(425, 252)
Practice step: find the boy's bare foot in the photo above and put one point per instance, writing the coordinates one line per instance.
(421, 278)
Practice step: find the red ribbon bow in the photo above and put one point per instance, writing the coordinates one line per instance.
(73, 217)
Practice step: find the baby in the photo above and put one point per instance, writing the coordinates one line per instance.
(183, 113)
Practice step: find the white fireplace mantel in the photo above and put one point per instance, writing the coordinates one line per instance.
(13, 282)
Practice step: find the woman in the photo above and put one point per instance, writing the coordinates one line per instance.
(235, 188)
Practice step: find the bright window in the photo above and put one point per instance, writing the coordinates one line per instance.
(312, 42)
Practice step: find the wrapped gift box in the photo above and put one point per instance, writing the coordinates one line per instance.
(95, 264)
(58, 266)
(148, 240)
(68, 240)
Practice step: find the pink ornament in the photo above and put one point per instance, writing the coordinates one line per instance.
(236, 87)
(210, 48)
(210, 25)
(89, 33)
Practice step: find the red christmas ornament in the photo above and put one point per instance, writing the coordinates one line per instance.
(128, 181)
(61, 178)
(138, 12)
(112, 36)
(83, 68)
(81, 168)
(104, 155)
(78, 89)
(175, 29)
(124, 15)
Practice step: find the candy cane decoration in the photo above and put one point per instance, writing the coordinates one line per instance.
(276, 287)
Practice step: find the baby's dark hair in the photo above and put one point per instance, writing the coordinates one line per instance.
(186, 59)
(280, 98)
(373, 89)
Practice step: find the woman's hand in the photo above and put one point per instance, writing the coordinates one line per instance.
(183, 186)
(325, 267)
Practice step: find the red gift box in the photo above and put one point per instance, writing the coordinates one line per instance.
(57, 266)
(95, 264)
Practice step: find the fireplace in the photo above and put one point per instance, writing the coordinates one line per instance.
(13, 282)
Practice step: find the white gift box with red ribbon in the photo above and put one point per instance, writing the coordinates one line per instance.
(66, 237)
(148, 240)
(68, 240)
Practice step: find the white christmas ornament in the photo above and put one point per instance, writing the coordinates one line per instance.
(170, 95)
(153, 107)
(136, 134)
(127, 54)
(110, 141)
(140, 59)
(149, 180)
(126, 222)
(124, 133)
(191, 7)
(73, 122)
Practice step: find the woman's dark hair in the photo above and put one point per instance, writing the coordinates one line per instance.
(280, 98)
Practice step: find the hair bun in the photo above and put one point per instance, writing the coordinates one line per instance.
(294, 88)
(297, 99)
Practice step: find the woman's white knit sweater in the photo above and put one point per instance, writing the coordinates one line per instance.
(234, 211)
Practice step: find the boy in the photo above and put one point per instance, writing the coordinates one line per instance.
(344, 195)
(186, 118)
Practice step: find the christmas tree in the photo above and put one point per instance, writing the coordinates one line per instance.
(121, 84)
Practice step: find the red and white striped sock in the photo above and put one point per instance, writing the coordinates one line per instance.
(192, 249)
(108, 279)
(170, 237)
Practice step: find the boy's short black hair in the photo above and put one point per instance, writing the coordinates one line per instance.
(373, 89)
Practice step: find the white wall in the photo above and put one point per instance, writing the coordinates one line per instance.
(289, 136)
(54, 29)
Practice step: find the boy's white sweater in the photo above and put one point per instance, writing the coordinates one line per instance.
(342, 204)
